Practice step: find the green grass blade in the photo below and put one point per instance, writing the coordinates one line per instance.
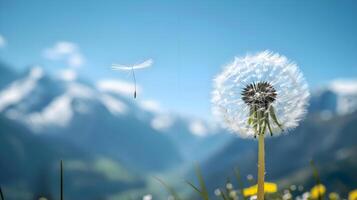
(240, 182)
(224, 197)
(194, 187)
(1, 194)
(204, 192)
(169, 189)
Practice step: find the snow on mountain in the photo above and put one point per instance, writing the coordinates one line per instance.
(20, 89)
(339, 97)
(117, 87)
(114, 105)
(346, 91)
(41, 102)
(60, 110)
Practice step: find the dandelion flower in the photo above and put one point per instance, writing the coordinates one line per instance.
(265, 83)
(268, 188)
(333, 196)
(317, 191)
(260, 93)
(352, 195)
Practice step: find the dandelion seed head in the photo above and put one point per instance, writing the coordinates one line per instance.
(263, 79)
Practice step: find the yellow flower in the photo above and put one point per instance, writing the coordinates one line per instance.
(317, 191)
(352, 195)
(333, 196)
(268, 188)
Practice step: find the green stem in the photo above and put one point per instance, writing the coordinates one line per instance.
(261, 167)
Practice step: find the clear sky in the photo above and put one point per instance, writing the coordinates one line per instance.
(189, 40)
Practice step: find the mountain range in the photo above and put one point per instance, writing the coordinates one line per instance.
(98, 123)
(112, 145)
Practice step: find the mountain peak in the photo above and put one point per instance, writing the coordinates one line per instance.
(36, 72)
(344, 86)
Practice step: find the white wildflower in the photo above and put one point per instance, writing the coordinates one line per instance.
(147, 197)
(229, 186)
(217, 192)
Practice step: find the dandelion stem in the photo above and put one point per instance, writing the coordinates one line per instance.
(261, 167)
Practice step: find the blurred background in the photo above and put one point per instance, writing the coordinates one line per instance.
(60, 100)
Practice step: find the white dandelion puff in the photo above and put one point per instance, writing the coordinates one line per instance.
(263, 92)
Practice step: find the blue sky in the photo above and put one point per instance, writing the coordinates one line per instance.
(189, 41)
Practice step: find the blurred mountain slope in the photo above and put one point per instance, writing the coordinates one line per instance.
(329, 142)
(30, 167)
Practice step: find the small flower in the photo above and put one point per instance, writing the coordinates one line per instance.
(293, 187)
(233, 194)
(217, 192)
(147, 197)
(317, 191)
(268, 188)
(287, 196)
(352, 195)
(254, 197)
(259, 93)
(229, 186)
(249, 177)
(306, 195)
(333, 196)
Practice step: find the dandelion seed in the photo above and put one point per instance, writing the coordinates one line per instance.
(132, 68)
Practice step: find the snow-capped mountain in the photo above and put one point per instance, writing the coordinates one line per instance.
(338, 97)
(102, 118)
(346, 91)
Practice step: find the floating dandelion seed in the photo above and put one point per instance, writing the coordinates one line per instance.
(131, 68)
(260, 93)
